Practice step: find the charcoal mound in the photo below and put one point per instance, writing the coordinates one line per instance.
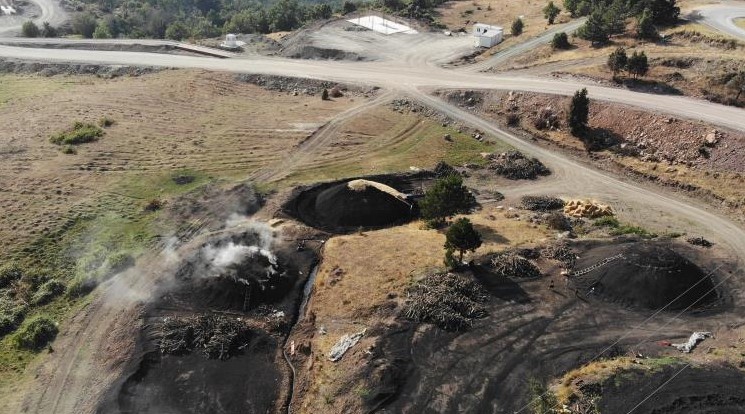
(350, 205)
(644, 274)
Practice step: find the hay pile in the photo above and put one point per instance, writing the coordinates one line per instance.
(587, 209)
(511, 265)
(450, 301)
(516, 166)
(541, 203)
(216, 336)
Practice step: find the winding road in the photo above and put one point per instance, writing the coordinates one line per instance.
(407, 77)
(50, 11)
(722, 18)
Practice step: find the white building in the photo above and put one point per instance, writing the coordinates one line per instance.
(486, 35)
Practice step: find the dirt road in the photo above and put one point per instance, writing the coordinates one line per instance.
(50, 11)
(722, 18)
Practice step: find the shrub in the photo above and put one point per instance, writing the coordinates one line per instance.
(80, 133)
(348, 7)
(105, 122)
(607, 221)
(48, 291)
(10, 273)
(11, 314)
(153, 205)
(84, 24)
(550, 12)
(47, 30)
(558, 221)
(69, 149)
(30, 29)
(80, 287)
(638, 64)
(560, 41)
(335, 92)
(461, 237)
(579, 112)
(325, 95)
(517, 27)
(36, 333)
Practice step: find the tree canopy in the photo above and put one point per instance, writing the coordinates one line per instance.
(579, 112)
(550, 12)
(461, 237)
(446, 198)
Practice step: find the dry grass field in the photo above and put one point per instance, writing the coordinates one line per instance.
(740, 22)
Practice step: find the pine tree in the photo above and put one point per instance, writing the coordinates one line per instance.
(737, 84)
(517, 27)
(560, 41)
(550, 12)
(446, 198)
(638, 64)
(617, 61)
(579, 112)
(461, 237)
(594, 29)
(645, 28)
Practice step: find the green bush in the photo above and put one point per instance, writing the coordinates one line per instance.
(629, 229)
(69, 150)
(80, 133)
(36, 333)
(11, 314)
(560, 41)
(47, 291)
(30, 29)
(80, 287)
(105, 122)
(607, 221)
(10, 273)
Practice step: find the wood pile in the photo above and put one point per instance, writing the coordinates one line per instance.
(511, 265)
(216, 336)
(586, 209)
(560, 252)
(541, 203)
(450, 301)
(516, 166)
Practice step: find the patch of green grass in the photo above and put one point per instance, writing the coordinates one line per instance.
(15, 87)
(656, 364)
(422, 150)
(165, 184)
(618, 229)
(79, 133)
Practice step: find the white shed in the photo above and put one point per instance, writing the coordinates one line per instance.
(486, 35)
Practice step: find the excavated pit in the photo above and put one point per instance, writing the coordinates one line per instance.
(646, 274)
(350, 205)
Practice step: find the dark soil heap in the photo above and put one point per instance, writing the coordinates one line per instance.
(341, 207)
(644, 274)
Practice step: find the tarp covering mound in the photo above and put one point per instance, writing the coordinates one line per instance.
(346, 206)
(643, 274)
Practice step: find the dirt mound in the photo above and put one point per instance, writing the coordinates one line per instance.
(319, 53)
(350, 205)
(643, 274)
(692, 391)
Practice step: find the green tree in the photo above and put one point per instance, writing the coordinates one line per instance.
(645, 28)
(571, 6)
(461, 237)
(550, 12)
(664, 12)
(615, 17)
(285, 15)
(177, 31)
(325, 95)
(84, 24)
(30, 29)
(47, 30)
(638, 64)
(446, 198)
(579, 112)
(321, 11)
(594, 29)
(737, 84)
(560, 41)
(102, 31)
(617, 61)
(517, 27)
(348, 7)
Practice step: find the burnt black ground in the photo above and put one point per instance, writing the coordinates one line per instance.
(254, 381)
(713, 390)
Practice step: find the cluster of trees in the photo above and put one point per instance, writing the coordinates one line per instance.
(192, 18)
(608, 17)
(636, 65)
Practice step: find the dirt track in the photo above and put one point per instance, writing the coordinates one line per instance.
(67, 389)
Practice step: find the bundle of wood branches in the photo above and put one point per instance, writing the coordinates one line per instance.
(542, 203)
(516, 166)
(450, 301)
(509, 264)
(560, 252)
(216, 336)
